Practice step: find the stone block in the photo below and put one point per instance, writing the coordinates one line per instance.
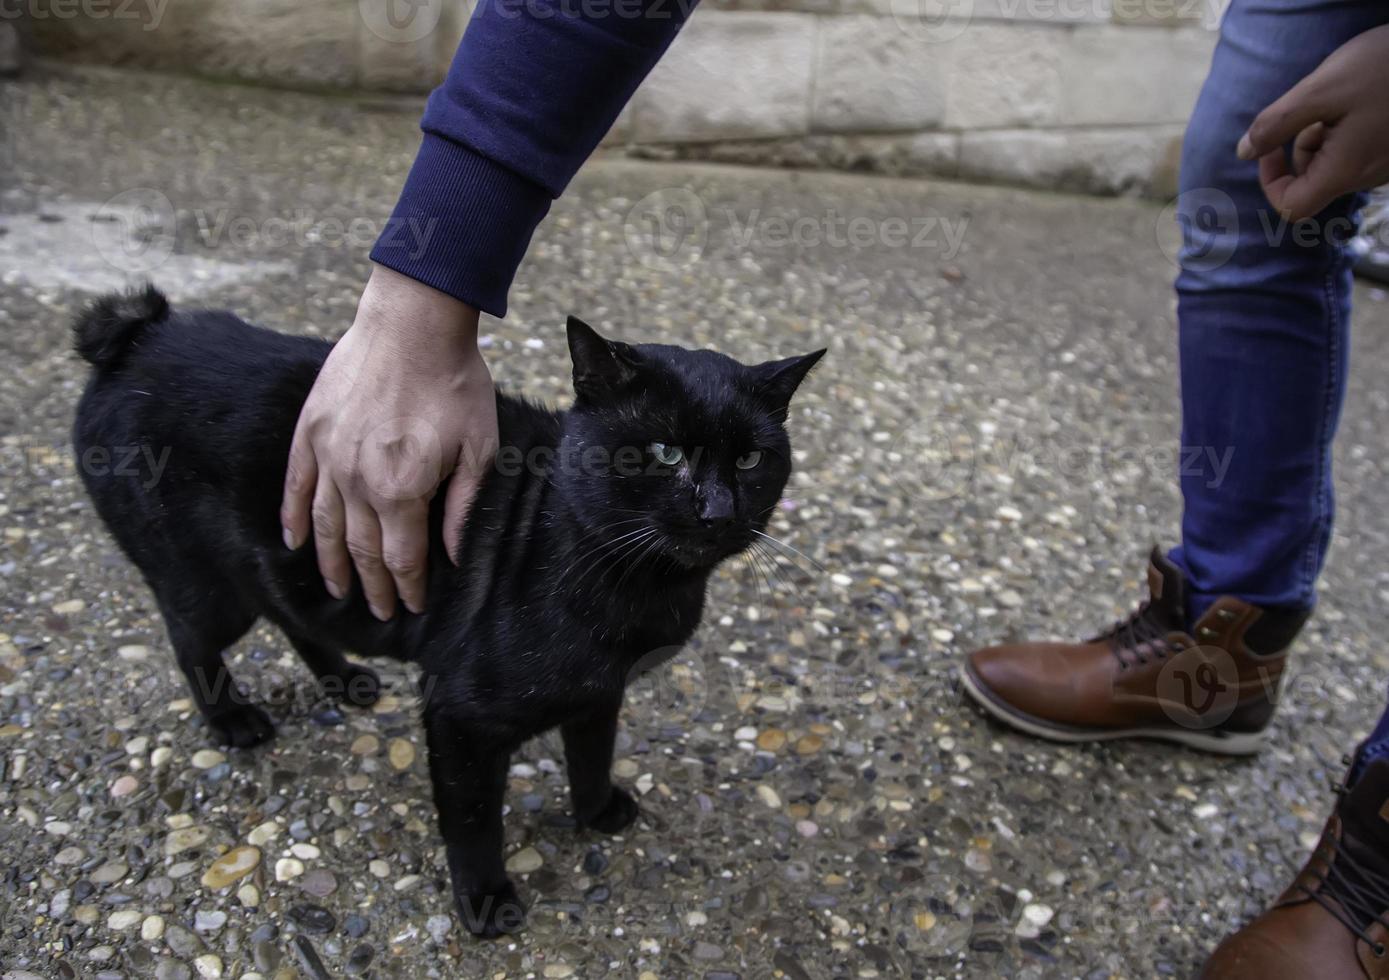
(288, 42)
(730, 76)
(1004, 75)
(1133, 75)
(873, 76)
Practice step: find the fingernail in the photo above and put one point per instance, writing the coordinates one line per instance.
(1245, 149)
(380, 614)
(415, 608)
(290, 543)
(334, 589)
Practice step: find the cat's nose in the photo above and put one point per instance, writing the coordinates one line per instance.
(714, 506)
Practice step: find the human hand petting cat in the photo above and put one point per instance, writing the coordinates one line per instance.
(1337, 119)
(403, 401)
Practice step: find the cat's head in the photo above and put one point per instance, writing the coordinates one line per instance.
(679, 453)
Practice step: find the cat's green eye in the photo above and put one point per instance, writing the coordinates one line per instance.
(748, 460)
(667, 455)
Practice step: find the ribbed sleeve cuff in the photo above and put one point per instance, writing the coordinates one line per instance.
(462, 224)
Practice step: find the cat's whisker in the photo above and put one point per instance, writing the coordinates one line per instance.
(653, 542)
(766, 561)
(603, 547)
(759, 562)
(759, 558)
(781, 573)
(789, 549)
(614, 558)
(605, 543)
(750, 562)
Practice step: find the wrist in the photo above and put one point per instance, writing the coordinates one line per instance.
(409, 315)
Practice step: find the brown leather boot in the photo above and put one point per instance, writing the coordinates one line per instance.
(1333, 921)
(1147, 676)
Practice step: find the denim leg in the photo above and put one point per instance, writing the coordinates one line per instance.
(1375, 746)
(1263, 310)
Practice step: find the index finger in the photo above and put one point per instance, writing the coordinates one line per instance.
(1299, 107)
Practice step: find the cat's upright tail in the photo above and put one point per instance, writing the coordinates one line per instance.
(104, 330)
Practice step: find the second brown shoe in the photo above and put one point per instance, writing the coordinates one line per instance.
(1332, 923)
(1213, 687)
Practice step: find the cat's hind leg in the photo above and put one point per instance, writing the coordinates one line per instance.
(339, 678)
(200, 629)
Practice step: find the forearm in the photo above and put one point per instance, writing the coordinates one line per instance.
(532, 90)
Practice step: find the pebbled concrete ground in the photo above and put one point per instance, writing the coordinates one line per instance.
(986, 453)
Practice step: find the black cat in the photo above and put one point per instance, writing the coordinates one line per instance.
(587, 549)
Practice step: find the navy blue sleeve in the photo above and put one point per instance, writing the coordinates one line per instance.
(532, 90)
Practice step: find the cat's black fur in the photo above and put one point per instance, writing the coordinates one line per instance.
(555, 598)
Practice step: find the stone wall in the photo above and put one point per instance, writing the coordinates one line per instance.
(1079, 94)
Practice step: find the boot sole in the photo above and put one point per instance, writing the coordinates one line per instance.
(1222, 743)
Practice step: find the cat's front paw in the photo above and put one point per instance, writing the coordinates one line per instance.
(616, 816)
(488, 915)
(241, 726)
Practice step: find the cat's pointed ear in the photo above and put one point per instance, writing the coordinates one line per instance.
(777, 381)
(601, 367)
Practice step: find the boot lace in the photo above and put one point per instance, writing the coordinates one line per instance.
(1358, 896)
(1127, 636)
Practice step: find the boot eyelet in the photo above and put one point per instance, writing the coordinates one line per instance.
(1379, 951)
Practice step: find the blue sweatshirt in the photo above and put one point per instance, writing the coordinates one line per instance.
(532, 90)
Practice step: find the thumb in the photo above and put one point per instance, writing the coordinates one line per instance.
(1298, 108)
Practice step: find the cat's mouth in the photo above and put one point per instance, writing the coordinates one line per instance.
(702, 551)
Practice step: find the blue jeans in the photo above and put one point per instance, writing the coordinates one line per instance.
(1264, 313)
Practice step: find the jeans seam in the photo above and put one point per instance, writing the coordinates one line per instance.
(1316, 547)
